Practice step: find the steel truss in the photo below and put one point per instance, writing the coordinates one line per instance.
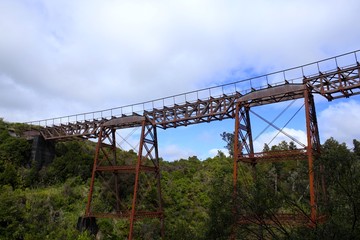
(244, 152)
(85, 129)
(342, 82)
(109, 168)
(207, 110)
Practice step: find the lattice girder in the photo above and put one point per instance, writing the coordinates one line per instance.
(342, 82)
(109, 168)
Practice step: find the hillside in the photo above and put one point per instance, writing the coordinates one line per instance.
(44, 201)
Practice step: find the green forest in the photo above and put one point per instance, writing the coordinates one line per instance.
(45, 200)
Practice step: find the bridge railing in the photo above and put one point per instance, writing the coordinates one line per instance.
(292, 75)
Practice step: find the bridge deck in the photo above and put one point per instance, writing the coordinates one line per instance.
(218, 103)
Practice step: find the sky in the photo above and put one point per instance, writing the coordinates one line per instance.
(65, 57)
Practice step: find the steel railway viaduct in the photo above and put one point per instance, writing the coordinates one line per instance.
(332, 78)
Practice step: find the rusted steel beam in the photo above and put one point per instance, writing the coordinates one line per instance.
(313, 146)
(70, 130)
(275, 94)
(274, 156)
(125, 168)
(200, 111)
(342, 82)
(124, 122)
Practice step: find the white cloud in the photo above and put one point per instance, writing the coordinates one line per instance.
(213, 152)
(64, 57)
(175, 152)
(340, 121)
(299, 135)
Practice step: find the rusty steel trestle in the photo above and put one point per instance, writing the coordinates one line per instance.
(109, 168)
(244, 152)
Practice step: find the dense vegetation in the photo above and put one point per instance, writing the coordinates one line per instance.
(45, 201)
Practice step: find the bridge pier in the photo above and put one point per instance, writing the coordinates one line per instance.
(42, 152)
(87, 224)
(111, 170)
(244, 152)
(313, 149)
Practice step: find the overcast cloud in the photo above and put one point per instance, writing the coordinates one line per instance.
(64, 57)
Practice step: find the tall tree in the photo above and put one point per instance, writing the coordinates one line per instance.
(229, 139)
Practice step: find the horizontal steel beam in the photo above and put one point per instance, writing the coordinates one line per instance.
(274, 156)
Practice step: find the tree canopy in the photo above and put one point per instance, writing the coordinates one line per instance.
(45, 203)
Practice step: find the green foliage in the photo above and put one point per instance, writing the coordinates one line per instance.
(49, 213)
(72, 159)
(197, 195)
(342, 174)
(14, 154)
(221, 204)
(229, 139)
(9, 175)
(356, 147)
(185, 198)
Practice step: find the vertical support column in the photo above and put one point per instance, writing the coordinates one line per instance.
(242, 140)
(158, 183)
(237, 151)
(116, 174)
(96, 159)
(243, 148)
(313, 147)
(148, 150)
(136, 184)
(236, 154)
(245, 133)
